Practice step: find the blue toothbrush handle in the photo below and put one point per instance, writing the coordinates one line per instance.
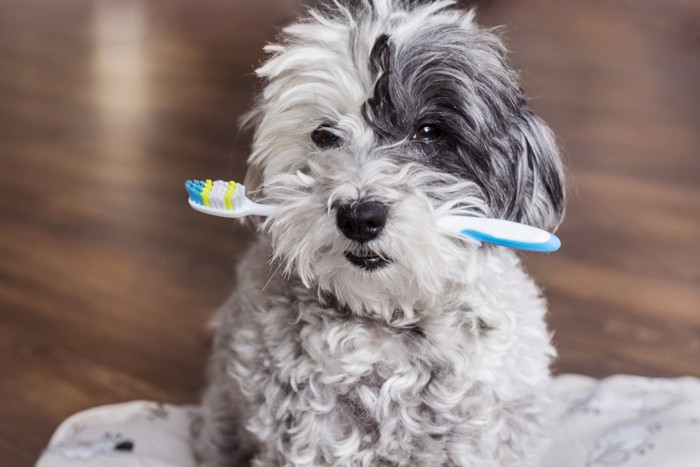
(501, 232)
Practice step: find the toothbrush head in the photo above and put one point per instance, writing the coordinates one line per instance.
(219, 194)
(224, 199)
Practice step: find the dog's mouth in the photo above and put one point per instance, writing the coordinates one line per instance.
(368, 262)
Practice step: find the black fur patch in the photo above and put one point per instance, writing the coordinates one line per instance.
(379, 110)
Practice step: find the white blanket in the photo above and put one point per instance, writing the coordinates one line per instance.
(623, 420)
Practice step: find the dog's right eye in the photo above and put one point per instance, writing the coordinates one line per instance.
(325, 138)
(427, 133)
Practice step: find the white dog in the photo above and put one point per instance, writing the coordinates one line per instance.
(359, 334)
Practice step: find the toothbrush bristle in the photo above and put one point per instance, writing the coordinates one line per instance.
(218, 194)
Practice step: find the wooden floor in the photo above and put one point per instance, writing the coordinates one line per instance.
(107, 278)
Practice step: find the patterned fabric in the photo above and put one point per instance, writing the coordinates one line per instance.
(626, 421)
(124, 435)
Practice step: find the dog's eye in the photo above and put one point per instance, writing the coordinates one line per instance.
(325, 138)
(427, 133)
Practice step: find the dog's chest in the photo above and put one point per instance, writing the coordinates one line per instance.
(328, 380)
(373, 370)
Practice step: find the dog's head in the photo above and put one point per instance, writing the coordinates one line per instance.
(378, 117)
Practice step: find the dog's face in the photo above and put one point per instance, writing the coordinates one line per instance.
(375, 120)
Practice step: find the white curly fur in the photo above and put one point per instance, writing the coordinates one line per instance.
(439, 358)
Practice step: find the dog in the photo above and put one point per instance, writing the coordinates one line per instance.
(359, 333)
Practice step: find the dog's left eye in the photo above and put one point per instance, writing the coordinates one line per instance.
(427, 133)
(325, 138)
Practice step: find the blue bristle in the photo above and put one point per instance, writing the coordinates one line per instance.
(199, 186)
(194, 190)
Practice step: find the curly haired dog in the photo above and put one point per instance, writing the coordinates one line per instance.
(359, 333)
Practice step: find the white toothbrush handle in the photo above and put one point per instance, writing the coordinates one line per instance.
(249, 208)
(266, 210)
(501, 232)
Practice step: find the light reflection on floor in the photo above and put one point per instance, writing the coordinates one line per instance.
(120, 81)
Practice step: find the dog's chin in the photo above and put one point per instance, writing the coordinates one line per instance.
(367, 261)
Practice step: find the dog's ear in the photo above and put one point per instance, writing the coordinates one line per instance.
(540, 198)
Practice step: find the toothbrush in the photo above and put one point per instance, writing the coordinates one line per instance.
(501, 232)
(224, 199)
(227, 199)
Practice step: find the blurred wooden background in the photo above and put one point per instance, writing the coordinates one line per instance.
(107, 278)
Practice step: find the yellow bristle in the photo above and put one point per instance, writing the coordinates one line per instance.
(205, 193)
(229, 194)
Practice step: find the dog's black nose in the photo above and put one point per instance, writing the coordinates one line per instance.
(362, 221)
